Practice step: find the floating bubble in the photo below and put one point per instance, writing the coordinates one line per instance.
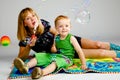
(86, 3)
(81, 13)
(43, 0)
(83, 16)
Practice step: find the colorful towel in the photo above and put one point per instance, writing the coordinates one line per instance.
(107, 65)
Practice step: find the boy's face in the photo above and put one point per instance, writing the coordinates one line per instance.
(63, 26)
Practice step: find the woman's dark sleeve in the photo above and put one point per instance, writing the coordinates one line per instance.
(46, 25)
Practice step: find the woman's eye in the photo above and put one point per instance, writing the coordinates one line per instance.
(27, 18)
(33, 15)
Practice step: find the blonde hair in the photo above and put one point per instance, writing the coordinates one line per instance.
(60, 17)
(22, 32)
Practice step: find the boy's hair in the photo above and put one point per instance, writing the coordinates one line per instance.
(23, 31)
(59, 18)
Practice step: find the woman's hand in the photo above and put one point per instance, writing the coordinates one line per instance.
(33, 40)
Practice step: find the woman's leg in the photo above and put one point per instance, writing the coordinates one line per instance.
(90, 44)
(99, 53)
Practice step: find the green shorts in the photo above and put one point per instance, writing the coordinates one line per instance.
(44, 59)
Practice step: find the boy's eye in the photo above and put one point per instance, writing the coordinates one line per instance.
(67, 25)
(60, 26)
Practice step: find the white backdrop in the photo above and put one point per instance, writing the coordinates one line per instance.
(104, 16)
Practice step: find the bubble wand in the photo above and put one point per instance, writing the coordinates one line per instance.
(34, 31)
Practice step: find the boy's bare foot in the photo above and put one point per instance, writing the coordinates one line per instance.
(36, 73)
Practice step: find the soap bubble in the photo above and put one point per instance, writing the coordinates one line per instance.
(83, 16)
(43, 0)
(81, 13)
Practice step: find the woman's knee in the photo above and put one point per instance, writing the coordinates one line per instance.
(90, 44)
(103, 45)
(98, 44)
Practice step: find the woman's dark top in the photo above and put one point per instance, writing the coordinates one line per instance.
(44, 41)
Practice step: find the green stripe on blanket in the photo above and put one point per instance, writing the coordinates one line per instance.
(107, 65)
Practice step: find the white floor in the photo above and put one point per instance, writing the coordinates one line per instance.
(90, 76)
(7, 55)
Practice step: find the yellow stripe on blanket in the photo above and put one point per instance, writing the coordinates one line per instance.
(96, 60)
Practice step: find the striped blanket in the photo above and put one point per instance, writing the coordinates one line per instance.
(107, 65)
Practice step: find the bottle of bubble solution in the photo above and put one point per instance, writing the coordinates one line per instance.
(34, 31)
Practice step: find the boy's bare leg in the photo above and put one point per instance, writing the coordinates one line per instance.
(32, 63)
(38, 72)
(50, 68)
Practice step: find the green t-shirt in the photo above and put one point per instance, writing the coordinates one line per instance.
(65, 46)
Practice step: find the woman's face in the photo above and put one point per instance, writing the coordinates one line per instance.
(31, 21)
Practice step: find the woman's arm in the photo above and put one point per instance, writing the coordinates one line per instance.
(24, 52)
(53, 31)
(53, 48)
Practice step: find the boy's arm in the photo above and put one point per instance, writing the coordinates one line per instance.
(79, 51)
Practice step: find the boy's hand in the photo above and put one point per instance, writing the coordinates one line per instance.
(83, 66)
